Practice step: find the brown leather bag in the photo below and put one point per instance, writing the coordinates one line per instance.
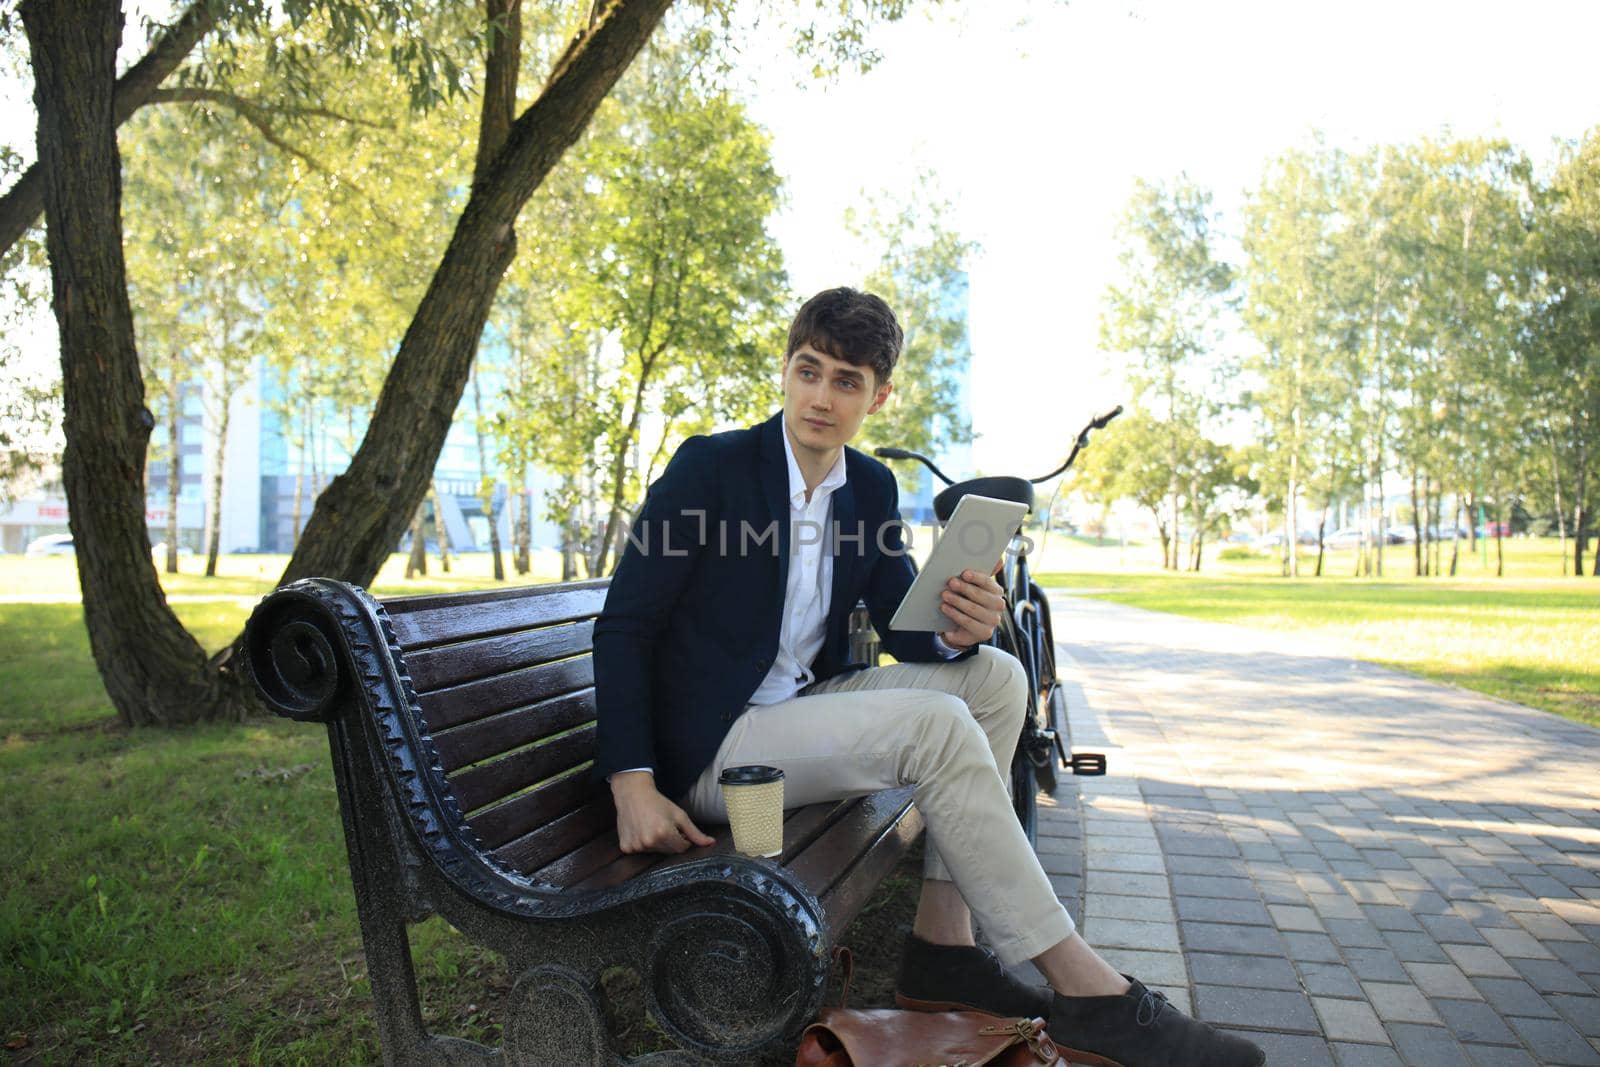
(854, 1037)
(882, 1037)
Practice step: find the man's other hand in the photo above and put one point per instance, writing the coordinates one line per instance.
(648, 821)
(974, 603)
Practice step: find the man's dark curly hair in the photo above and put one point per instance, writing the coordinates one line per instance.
(850, 325)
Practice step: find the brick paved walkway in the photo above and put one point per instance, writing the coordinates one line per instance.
(1357, 866)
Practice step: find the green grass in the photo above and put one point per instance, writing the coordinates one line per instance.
(1528, 640)
(1524, 558)
(184, 895)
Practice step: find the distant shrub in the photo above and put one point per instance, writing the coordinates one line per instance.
(1236, 552)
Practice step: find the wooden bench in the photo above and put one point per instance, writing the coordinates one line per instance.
(462, 732)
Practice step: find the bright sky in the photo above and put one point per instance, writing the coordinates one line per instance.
(1037, 117)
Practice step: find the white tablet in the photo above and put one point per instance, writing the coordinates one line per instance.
(973, 540)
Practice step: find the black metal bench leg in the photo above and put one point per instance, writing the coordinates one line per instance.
(381, 909)
(552, 1016)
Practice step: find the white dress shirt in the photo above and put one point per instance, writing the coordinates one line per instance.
(809, 590)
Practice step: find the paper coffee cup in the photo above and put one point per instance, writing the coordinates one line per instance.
(754, 798)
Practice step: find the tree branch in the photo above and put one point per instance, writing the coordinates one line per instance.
(256, 115)
(361, 515)
(234, 100)
(500, 81)
(23, 203)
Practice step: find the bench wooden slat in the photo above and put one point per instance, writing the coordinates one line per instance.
(471, 701)
(582, 861)
(800, 827)
(853, 888)
(830, 854)
(475, 741)
(423, 622)
(523, 814)
(561, 837)
(446, 665)
(488, 782)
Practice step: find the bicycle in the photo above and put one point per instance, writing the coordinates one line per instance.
(1026, 633)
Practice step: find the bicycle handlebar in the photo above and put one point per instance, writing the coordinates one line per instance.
(1099, 422)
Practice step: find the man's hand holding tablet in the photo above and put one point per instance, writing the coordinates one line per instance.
(955, 594)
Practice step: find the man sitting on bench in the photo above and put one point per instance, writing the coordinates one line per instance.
(724, 641)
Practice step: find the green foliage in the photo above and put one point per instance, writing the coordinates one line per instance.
(921, 274)
(297, 38)
(647, 301)
(30, 410)
(1564, 353)
(1164, 315)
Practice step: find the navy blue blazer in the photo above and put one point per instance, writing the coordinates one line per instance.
(691, 620)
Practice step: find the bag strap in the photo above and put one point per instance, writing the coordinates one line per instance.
(845, 960)
(1031, 1032)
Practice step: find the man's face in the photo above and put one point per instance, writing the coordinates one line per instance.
(825, 400)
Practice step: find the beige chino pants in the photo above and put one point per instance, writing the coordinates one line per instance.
(948, 730)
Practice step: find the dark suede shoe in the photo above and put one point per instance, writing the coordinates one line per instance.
(1141, 1029)
(964, 978)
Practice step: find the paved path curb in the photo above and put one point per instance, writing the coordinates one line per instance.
(1354, 865)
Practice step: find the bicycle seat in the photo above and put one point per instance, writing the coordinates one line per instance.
(1003, 487)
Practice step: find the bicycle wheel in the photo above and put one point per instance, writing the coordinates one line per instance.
(1051, 697)
(1025, 795)
(1024, 782)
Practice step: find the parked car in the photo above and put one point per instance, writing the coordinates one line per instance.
(50, 545)
(1343, 539)
(160, 549)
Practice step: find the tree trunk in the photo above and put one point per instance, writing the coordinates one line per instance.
(1555, 477)
(153, 670)
(569, 551)
(1161, 528)
(417, 562)
(1283, 556)
(1437, 525)
(1322, 529)
(1291, 509)
(1455, 537)
(486, 487)
(300, 480)
(619, 467)
(214, 523)
(1580, 516)
(1580, 539)
(358, 520)
(175, 467)
(1499, 544)
(440, 530)
(1416, 523)
(1381, 539)
(571, 528)
(523, 557)
(1173, 564)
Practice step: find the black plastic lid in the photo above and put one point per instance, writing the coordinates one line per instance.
(753, 774)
